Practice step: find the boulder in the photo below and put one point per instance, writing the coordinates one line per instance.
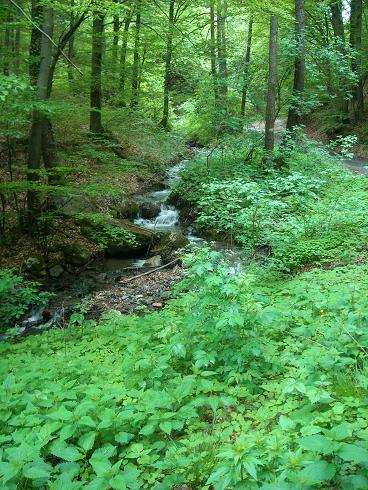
(150, 210)
(169, 243)
(76, 254)
(144, 241)
(128, 209)
(56, 271)
(35, 266)
(154, 262)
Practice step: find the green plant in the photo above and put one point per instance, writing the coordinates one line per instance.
(17, 295)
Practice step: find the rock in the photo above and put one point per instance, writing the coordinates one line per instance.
(150, 210)
(56, 271)
(157, 305)
(128, 209)
(76, 254)
(144, 240)
(35, 266)
(169, 243)
(153, 262)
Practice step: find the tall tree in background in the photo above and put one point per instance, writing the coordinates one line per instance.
(272, 85)
(96, 72)
(115, 42)
(246, 67)
(39, 120)
(169, 53)
(222, 52)
(340, 41)
(295, 110)
(136, 56)
(123, 55)
(356, 44)
(71, 42)
(213, 49)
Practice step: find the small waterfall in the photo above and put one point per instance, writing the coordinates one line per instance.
(165, 221)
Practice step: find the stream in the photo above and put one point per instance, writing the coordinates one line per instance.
(104, 274)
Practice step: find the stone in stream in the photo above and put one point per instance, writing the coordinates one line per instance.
(154, 262)
(144, 240)
(76, 254)
(56, 271)
(128, 209)
(35, 266)
(169, 243)
(150, 210)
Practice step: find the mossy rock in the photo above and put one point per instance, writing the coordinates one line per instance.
(128, 209)
(35, 266)
(169, 243)
(76, 254)
(144, 241)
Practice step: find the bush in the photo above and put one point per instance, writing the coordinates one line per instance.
(16, 296)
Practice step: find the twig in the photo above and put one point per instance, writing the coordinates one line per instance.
(150, 272)
(44, 33)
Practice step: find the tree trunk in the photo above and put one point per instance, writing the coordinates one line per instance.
(17, 50)
(7, 47)
(246, 68)
(135, 74)
(272, 86)
(296, 109)
(39, 119)
(71, 53)
(115, 44)
(339, 35)
(169, 53)
(123, 56)
(356, 44)
(95, 124)
(221, 47)
(35, 43)
(213, 51)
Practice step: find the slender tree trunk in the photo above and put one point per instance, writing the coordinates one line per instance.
(169, 53)
(95, 123)
(339, 35)
(296, 109)
(213, 51)
(246, 67)
(7, 47)
(39, 119)
(135, 74)
(356, 44)
(272, 86)
(17, 40)
(115, 44)
(141, 67)
(221, 47)
(71, 50)
(123, 57)
(35, 43)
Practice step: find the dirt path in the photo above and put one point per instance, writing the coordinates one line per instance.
(355, 165)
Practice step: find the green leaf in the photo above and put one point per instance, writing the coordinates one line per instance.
(87, 440)
(353, 453)
(37, 470)
(61, 414)
(286, 423)
(101, 466)
(317, 472)
(118, 483)
(318, 444)
(87, 420)
(166, 427)
(8, 470)
(124, 437)
(67, 453)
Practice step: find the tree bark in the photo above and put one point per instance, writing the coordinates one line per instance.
(340, 40)
(123, 57)
(169, 53)
(356, 44)
(17, 40)
(272, 86)
(95, 123)
(115, 43)
(35, 43)
(39, 118)
(246, 67)
(213, 50)
(7, 44)
(71, 51)
(296, 109)
(135, 74)
(222, 50)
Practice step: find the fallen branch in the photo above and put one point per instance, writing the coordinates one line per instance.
(150, 272)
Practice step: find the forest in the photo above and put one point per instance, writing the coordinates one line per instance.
(183, 244)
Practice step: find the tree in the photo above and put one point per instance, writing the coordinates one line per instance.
(246, 67)
(169, 53)
(123, 55)
(296, 109)
(272, 85)
(356, 44)
(95, 124)
(137, 42)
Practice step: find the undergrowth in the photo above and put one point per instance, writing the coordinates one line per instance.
(310, 212)
(235, 385)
